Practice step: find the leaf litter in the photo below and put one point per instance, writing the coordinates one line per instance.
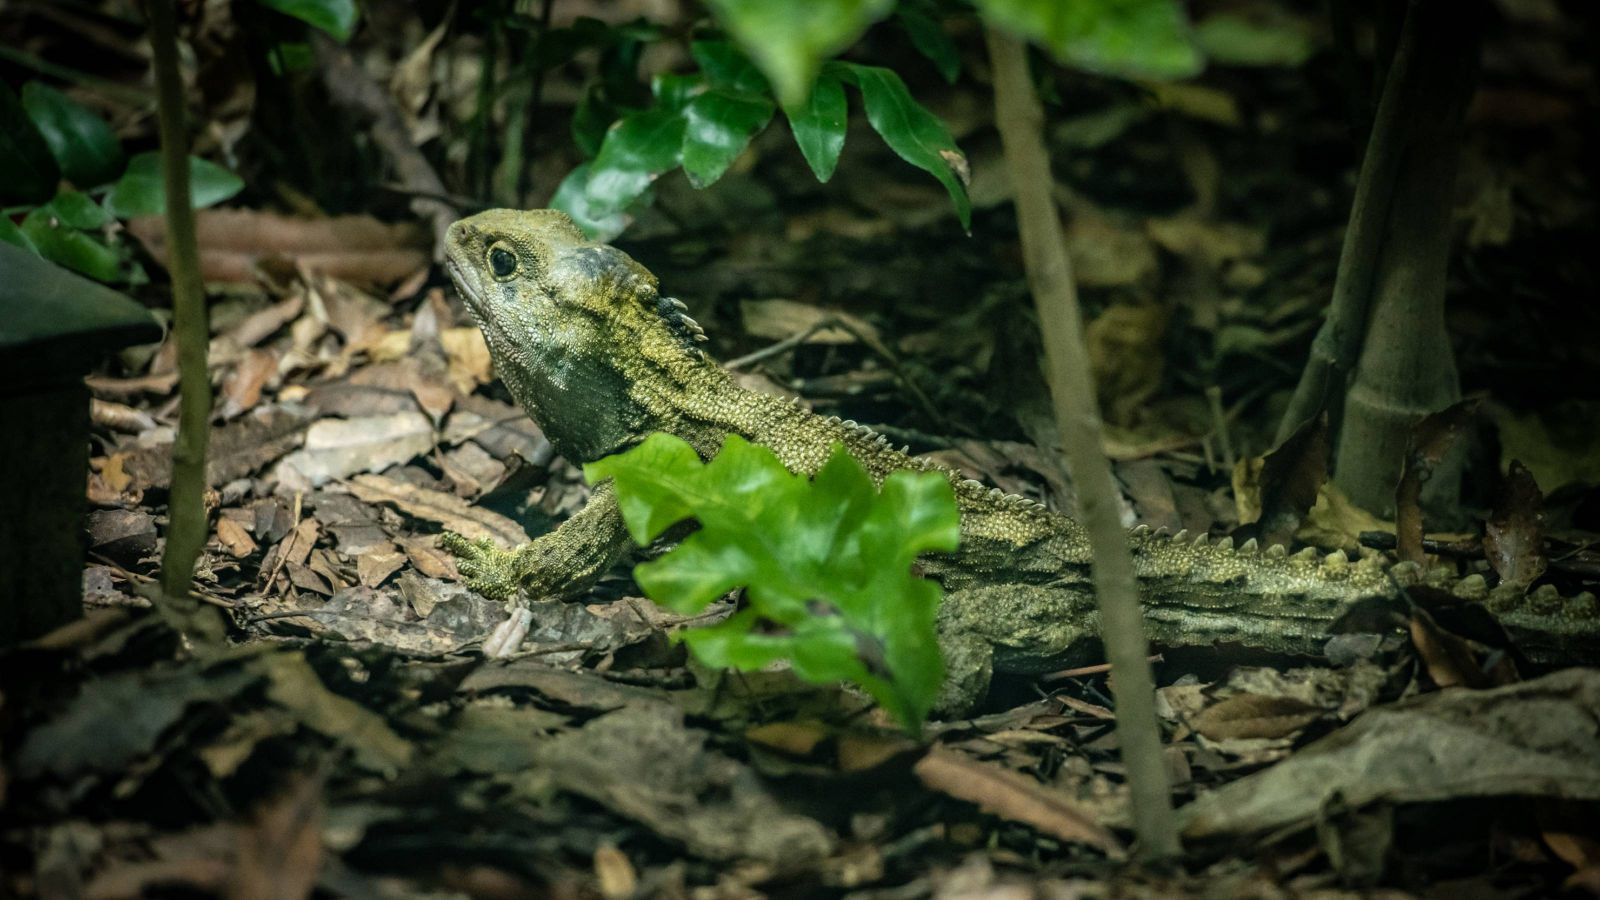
(354, 740)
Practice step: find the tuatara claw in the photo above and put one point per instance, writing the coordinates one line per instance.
(487, 569)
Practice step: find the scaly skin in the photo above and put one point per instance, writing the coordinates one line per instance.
(591, 349)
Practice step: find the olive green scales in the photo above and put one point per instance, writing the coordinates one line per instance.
(597, 355)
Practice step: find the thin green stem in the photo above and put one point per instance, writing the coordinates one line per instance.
(1020, 120)
(186, 529)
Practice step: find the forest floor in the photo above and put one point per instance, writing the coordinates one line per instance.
(351, 739)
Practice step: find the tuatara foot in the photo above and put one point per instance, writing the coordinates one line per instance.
(508, 635)
(490, 571)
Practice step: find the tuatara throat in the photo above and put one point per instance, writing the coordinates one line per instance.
(600, 358)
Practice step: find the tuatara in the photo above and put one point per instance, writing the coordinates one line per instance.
(600, 358)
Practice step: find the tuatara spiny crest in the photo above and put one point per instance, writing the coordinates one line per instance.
(589, 346)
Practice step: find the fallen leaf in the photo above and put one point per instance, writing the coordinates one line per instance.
(1013, 796)
(1244, 716)
(1431, 439)
(337, 448)
(450, 511)
(1513, 536)
(234, 538)
(1287, 483)
(1535, 738)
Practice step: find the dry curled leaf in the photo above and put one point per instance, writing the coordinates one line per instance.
(1013, 796)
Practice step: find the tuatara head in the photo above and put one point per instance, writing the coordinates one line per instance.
(576, 328)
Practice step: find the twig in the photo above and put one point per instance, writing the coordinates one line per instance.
(1020, 120)
(876, 346)
(1081, 671)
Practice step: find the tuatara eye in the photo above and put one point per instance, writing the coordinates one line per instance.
(502, 262)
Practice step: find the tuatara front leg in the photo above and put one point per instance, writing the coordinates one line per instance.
(562, 564)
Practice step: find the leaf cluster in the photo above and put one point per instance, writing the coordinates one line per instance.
(64, 171)
(57, 157)
(704, 120)
(826, 562)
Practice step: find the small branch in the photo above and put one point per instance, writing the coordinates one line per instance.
(1020, 120)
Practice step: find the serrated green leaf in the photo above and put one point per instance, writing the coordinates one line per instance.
(141, 191)
(819, 125)
(826, 562)
(910, 130)
(67, 246)
(718, 126)
(1128, 38)
(931, 40)
(28, 171)
(790, 40)
(1235, 40)
(82, 143)
(336, 17)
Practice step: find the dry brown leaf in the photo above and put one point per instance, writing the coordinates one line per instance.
(1013, 796)
(1254, 716)
(798, 738)
(450, 511)
(120, 416)
(373, 568)
(1513, 536)
(241, 390)
(1431, 440)
(1287, 483)
(234, 538)
(1450, 659)
(234, 242)
(335, 448)
(429, 560)
(468, 355)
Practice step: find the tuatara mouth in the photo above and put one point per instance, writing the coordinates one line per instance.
(473, 300)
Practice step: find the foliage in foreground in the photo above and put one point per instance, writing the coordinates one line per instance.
(825, 562)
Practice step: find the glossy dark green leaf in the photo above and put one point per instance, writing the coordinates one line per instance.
(673, 92)
(819, 125)
(67, 246)
(727, 67)
(1129, 38)
(336, 17)
(718, 126)
(141, 191)
(572, 198)
(28, 172)
(788, 41)
(83, 144)
(929, 37)
(826, 562)
(637, 149)
(910, 130)
(590, 119)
